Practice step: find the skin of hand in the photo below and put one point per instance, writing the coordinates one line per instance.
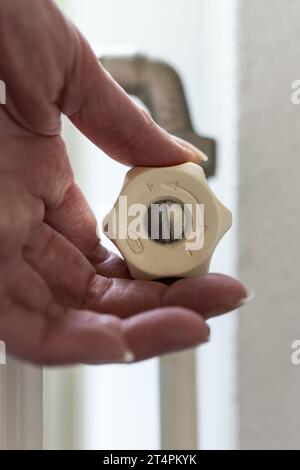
(63, 297)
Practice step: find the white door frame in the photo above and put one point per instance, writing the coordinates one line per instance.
(21, 406)
(269, 195)
(178, 401)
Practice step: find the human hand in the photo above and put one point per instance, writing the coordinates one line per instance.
(63, 297)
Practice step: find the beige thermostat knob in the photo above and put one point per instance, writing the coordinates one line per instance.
(167, 221)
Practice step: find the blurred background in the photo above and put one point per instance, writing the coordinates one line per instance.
(238, 62)
(116, 406)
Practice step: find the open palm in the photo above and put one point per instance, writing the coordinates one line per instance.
(63, 297)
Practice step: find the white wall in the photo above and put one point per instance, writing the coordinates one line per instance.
(197, 38)
(269, 148)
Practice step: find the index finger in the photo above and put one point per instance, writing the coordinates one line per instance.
(102, 110)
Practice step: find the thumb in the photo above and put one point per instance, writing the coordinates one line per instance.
(102, 111)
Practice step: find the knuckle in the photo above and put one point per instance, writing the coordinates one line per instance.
(148, 121)
(145, 124)
(96, 290)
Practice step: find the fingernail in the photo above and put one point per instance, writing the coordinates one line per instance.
(128, 357)
(250, 295)
(201, 155)
(197, 156)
